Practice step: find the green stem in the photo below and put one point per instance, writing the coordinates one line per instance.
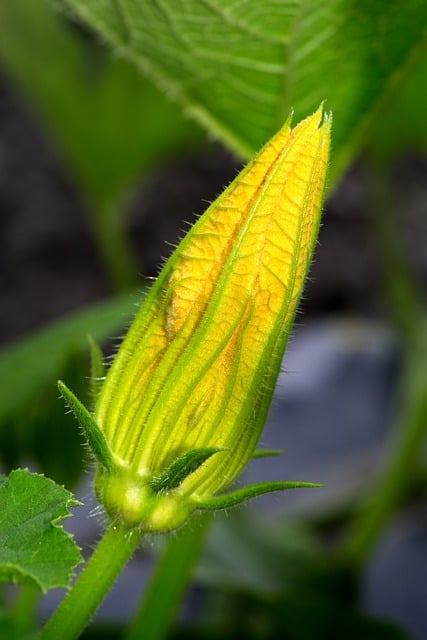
(390, 489)
(167, 589)
(98, 576)
(25, 606)
(114, 246)
(404, 296)
(407, 308)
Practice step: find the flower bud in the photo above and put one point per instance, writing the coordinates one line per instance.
(186, 398)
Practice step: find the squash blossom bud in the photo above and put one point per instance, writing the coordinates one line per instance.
(186, 398)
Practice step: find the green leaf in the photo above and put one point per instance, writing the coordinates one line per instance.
(271, 565)
(176, 473)
(41, 432)
(93, 434)
(252, 491)
(29, 366)
(239, 67)
(34, 548)
(48, 434)
(108, 122)
(402, 125)
(251, 551)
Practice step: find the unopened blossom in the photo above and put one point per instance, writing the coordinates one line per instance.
(186, 398)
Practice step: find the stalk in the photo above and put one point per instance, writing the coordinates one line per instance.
(114, 246)
(405, 300)
(391, 487)
(167, 589)
(95, 581)
(25, 606)
(408, 312)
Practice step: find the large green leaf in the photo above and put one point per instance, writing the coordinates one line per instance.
(239, 67)
(402, 126)
(34, 548)
(40, 431)
(27, 367)
(109, 123)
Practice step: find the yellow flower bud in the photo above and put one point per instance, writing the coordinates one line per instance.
(186, 398)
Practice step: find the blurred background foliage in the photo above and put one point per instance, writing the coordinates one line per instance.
(113, 116)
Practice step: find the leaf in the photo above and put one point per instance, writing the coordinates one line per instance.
(239, 67)
(265, 566)
(251, 551)
(27, 367)
(34, 549)
(109, 123)
(43, 433)
(402, 125)
(47, 433)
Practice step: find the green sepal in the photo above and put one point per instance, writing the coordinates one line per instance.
(252, 491)
(94, 436)
(181, 468)
(265, 453)
(97, 368)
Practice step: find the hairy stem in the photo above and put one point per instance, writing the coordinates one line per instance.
(95, 581)
(169, 584)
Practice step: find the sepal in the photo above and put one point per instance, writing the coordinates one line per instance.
(252, 491)
(97, 368)
(94, 436)
(181, 468)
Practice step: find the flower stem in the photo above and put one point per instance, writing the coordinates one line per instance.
(404, 297)
(408, 312)
(98, 576)
(393, 484)
(167, 589)
(25, 606)
(114, 245)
